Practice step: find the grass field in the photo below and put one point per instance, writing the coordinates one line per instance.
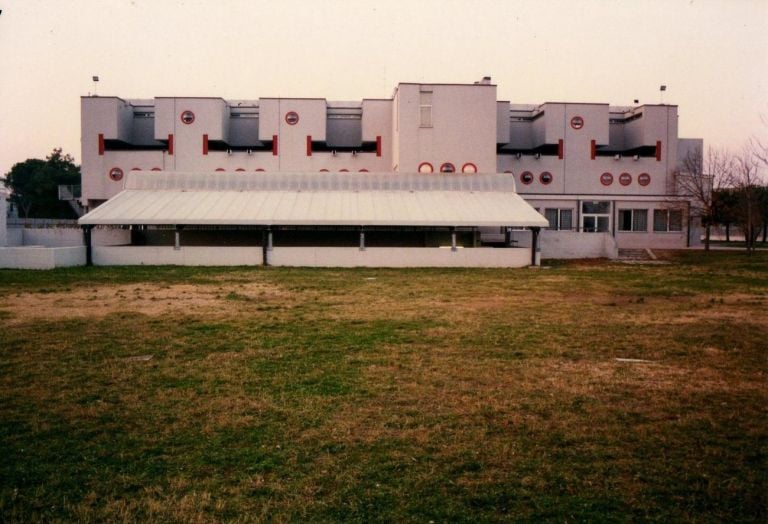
(212, 394)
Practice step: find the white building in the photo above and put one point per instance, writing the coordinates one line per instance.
(588, 168)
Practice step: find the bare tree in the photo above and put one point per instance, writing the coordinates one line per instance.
(749, 185)
(700, 178)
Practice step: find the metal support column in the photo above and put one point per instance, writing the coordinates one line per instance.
(88, 245)
(453, 239)
(177, 238)
(362, 239)
(535, 250)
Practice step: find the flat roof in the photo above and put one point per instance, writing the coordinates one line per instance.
(317, 199)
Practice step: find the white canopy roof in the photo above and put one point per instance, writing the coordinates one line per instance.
(317, 199)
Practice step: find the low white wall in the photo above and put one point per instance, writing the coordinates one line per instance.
(3, 221)
(71, 236)
(167, 255)
(570, 244)
(41, 257)
(52, 236)
(14, 237)
(671, 240)
(398, 257)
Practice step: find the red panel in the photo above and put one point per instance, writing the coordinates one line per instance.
(205, 144)
(658, 151)
(101, 143)
(560, 149)
(593, 149)
(309, 145)
(274, 145)
(170, 144)
(378, 146)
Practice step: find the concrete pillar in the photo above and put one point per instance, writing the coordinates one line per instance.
(453, 240)
(362, 239)
(3, 222)
(177, 238)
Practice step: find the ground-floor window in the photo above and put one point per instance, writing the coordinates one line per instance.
(595, 216)
(667, 220)
(559, 219)
(633, 220)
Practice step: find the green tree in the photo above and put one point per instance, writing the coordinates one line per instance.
(34, 185)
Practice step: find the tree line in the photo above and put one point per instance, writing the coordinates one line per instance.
(727, 188)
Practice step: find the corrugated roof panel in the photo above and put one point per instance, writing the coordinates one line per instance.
(183, 200)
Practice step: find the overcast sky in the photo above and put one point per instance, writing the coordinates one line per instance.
(712, 55)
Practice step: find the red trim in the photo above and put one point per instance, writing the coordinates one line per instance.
(219, 169)
(560, 149)
(625, 179)
(363, 170)
(259, 169)
(101, 144)
(190, 117)
(205, 144)
(136, 169)
(343, 170)
(115, 174)
(378, 146)
(309, 145)
(170, 144)
(577, 122)
(239, 169)
(323, 170)
(289, 116)
(274, 145)
(593, 149)
(658, 151)
(156, 169)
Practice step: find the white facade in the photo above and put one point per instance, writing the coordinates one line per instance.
(592, 166)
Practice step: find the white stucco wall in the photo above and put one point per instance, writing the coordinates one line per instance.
(3, 222)
(570, 244)
(399, 257)
(167, 255)
(41, 257)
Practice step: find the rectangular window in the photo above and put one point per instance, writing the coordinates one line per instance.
(667, 220)
(425, 108)
(633, 220)
(559, 219)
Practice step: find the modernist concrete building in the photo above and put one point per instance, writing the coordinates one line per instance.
(587, 168)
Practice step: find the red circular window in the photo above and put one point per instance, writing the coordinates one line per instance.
(469, 167)
(426, 167)
(447, 168)
(259, 169)
(643, 179)
(323, 170)
(625, 179)
(363, 170)
(291, 118)
(606, 179)
(239, 169)
(526, 177)
(156, 169)
(545, 178)
(135, 169)
(220, 169)
(577, 122)
(116, 174)
(187, 116)
(343, 170)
